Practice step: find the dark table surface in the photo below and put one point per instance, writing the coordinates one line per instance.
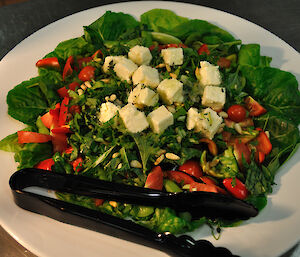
(18, 21)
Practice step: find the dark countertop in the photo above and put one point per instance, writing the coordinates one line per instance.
(18, 21)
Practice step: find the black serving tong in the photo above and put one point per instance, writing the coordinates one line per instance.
(198, 203)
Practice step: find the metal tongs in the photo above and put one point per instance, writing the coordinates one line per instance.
(197, 203)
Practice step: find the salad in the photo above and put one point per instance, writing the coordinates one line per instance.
(165, 103)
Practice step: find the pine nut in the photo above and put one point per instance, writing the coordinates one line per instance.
(115, 155)
(80, 92)
(172, 156)
(223, 115)
(113, 97)
(173, 75)
(83, 87)
(159, 159)
(87, 84)
(160, 152)
(168, 68)
(161, 65)
(238, 128)
(113, 203)
(119, 166)
(105, 80)
(106, 98)
(135, 164)
(97, 59)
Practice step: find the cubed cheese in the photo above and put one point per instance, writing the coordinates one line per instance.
(107, 111)
(170, 91)
(208, 74)
(140, 55)
(214, 97)
(146, 75)
(160, 119)
(143, 96)
(125, 68)
(206, 122)
(172, 56)
(134, 120)
(110, 61)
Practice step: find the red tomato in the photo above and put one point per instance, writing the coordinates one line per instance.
(83, 60)
(32, 137)
(51, 117)
(239, 191)
(208, 180)
(77, 164)
(68, 70)
(223, 62)
(45, 164)
(60, 143)
(179, 177)
(254, 108)
(192, 167)
(63, 111)
(203, 50)
(264, 145)
(63, 91)
(99, 202)
(226, 136)
(259, 156)
(87, 73)
(155, 179)
(51, 62)
(61, 130)
(194, 186)
(69, 150)
(237, 113)
(97, 54)
(241, 150)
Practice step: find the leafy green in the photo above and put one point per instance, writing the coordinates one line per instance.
(26, 101)
(10, 143)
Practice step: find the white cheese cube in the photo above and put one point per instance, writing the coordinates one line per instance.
(208, 74)
(143, 96)
(110, 61)
(209, 124)
(146, 75)
(160, 119)
(140, 55)
(192, 119)
(214, 97)
(134, 120)
(170, 91)
(124, 69)
(172, 56)
(107, 111)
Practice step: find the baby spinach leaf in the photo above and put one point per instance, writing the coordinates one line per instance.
(10, 143)
(26, 101)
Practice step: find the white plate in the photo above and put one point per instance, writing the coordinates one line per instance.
(274, 231)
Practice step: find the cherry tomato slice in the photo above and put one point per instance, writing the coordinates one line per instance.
(63, 112)
(180, 177)
(241, 150)
(83, 60)
(254, 108)
(77, 164)
(203, 50)
(59, 142)
(192, 167)
(194, 186)
(264, 144)
(223, 63)
(45, 164)
(99, 202)
(237, 113)
(32, 137)
(68, 70)
(155, 179)
(63, 91)
(87, 73)
(239, 191)
(50, 62)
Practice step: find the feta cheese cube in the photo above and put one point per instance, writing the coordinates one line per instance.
(160, 119)
(214, 97)
(143, 96)
(146, 75)
(140, 55)
(207, 122)
(110, 61)
(107, 111)
(172, 56)
(170, 91)
(208, 74)
(124, 69)
(134, 120)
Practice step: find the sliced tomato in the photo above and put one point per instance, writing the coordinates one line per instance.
(208, 180)
(68, 70)
(254, 108)
(82, 61)
(61, 130)
(212, 147)
(99, 202)
(77, 164)
(97, 54)
(45, 164)
(50, 62)
(63, 91)
(239, 191)
(224, 63)
(87, 73)
(179, 177)
(155, 179)
(69, 150)
(51, 117)
(241, 150)
(192, 167)
(264, 144)
(32, 137)
(203, 50)
(194, 186)
(259, 156)
(59, 142)
(226, 136)
(236, 113)
(63, 111)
